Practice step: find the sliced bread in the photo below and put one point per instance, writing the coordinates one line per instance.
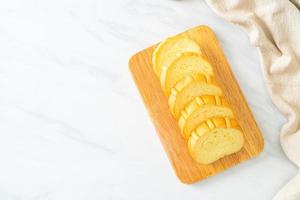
(168, 50)
(180, 97)
(207, 145)
(189, 121)
(187, 64)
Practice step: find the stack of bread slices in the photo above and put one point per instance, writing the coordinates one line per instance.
(196, 100)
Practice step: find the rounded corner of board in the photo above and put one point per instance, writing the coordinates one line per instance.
(204, 27)
(132, 60)
(187, 181)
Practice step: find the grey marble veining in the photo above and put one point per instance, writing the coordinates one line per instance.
(72, 124)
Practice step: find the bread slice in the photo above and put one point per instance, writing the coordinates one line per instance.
(196, 115)
(197, 103)
(207, 145)
(180, 97)
(168, 50)
(188, 64)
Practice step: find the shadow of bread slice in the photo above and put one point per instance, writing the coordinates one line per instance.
(180, 97)
(187, 64)
(209, 143)
(168, 50)
(197, 113)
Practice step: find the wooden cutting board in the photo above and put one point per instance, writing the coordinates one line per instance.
(187, 170)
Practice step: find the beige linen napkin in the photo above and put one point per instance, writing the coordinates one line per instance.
(273, 27)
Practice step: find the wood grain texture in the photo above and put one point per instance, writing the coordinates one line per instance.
(187, 170)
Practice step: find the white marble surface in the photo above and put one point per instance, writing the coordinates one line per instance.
(72, 124)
